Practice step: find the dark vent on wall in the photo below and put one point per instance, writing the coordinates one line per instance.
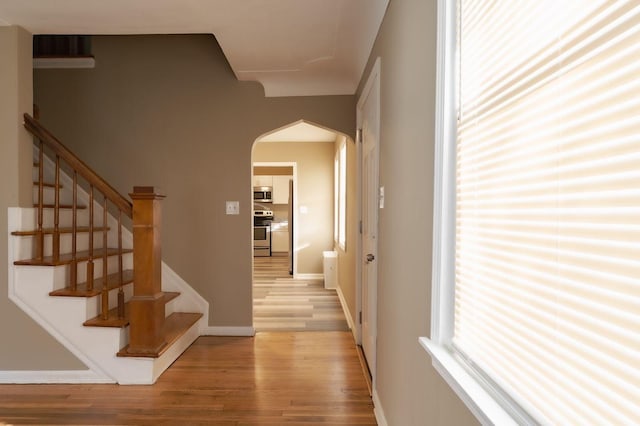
(61, 46)
(62, 51)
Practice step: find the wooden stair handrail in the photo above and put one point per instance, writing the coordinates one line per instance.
(147, 305)
(36, 129)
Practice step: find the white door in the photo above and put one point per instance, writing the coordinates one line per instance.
(368, 112)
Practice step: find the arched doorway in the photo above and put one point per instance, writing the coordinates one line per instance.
(298, 301)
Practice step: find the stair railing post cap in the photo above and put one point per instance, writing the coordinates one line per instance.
(146, 192)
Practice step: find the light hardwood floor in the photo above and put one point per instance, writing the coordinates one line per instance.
(270, 379)
(283, 303)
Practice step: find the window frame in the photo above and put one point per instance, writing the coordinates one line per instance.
(340, 195)
(488, 406)
(490, 403)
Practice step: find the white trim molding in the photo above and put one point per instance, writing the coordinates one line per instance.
(228, 331)
(378, 411)
(476, 398)
(345, 308)
(308, 276)
(52, 377)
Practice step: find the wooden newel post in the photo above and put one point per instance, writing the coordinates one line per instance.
(147, 304)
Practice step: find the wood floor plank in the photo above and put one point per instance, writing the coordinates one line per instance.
(274, 378)
(281, 302)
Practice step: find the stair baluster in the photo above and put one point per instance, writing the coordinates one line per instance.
(120, 269)
(40, 233)
(56, 214)
(105, 269)
(90, 260)
(73, 266)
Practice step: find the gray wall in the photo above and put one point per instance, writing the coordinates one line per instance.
(167, 111)
(315, 192)
(410, 390)
(25, 346)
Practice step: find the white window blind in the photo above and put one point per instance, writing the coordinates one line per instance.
(547, 257)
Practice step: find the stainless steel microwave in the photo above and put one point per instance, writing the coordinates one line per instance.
(263, 194)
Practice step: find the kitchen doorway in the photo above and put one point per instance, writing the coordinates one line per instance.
(297, 301)
(275, 211)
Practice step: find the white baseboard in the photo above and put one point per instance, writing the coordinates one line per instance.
(345, 308)
(378, 411)
(52, 377)
(228, 331)
(308, 276)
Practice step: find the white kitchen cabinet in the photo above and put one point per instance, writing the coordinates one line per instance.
(280, 241)
(281, 189)
(262, 180)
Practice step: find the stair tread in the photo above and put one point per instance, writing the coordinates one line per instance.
(65, 230)
(113, 281)
(113, 320)
(62, 206)
(175, 326)
(65, 259)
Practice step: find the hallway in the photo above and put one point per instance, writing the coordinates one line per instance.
(269, 379)
(281, 303)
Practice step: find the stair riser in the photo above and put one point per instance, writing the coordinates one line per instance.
(27, 244)
(94, 304)
(49, 195)
(30, 222)
(170, 307)
(56, 277)
(99, 344)
(49, 175)
(76, 309)
(60, 277)
(112, 266)
(66, 218)
(45, 279)
(24, 248)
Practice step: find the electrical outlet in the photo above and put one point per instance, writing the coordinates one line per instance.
(233, 207)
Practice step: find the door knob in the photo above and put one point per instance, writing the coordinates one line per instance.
(370, 258)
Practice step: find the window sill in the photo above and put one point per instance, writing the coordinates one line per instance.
(475, 397)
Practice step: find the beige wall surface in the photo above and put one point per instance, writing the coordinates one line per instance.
(167, 111)
(315, 192)
(411, 392)
(347, 257)
(25, 345)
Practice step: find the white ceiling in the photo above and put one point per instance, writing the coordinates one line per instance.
(293, 47)
(300, 132)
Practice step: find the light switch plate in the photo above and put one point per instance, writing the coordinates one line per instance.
(233, 207)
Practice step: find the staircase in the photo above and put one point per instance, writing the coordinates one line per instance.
(99, 289)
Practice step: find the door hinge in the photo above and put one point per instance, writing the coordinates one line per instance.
(360, 317)
(360, 227)
(359, 135)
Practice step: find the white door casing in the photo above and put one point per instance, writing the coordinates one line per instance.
(368, 113)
